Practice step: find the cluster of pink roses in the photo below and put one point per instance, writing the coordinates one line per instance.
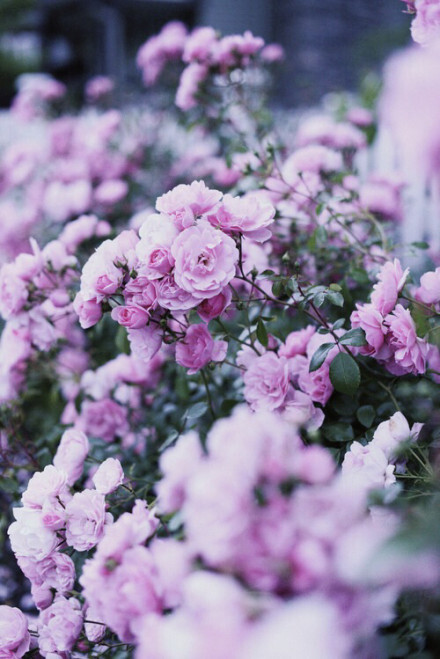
(185, 257)
(280, 378)
(265, 547)
(389, 327)
(112, 398)
(52, 519)
(204, 52)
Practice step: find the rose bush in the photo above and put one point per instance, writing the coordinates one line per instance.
(219, 376)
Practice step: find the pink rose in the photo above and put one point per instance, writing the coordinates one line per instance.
(196, 197)
(391, 281)
(205, 260)
(13, 291)
(266, 382)
(111, 191)
(86, 517)
(296, 342)
(429, 290)
(88, 311)
(145, 342)
(43, 485)
(246, 215)
(214, 306)
(60, 625)
(198, 348)
(173, 297)
(410, 352)
(71, 453)
(131, 316)
(370, 320)
(28, 535)
(189, 83)
(14, 635)
(109, 476)
(104, 418)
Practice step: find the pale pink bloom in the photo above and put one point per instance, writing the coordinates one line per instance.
(145, 342)
(196, 197)
(28, 535)
(368, 318)
(109, 476)
(111, 192)
(410, 352)
(310, 624)
(425, 27)
(214, 306)
(312, 158)
(316, 384)
(321, 129)
(173, 297)
(13, 291)
(199, 44)
(198, 348)
(246, 215)
(98, 87)
(315, 465)
(391, 281)
(62, 200)
(60, 625)
(382, 196)
(300, 410)
(57, 571)
(71, 454)
(206, 260)
(429, 289)
(173, 563)
(14, 635)
(177, 465)
(155, 52)
(89, 312)
(104, 418)
(85, 519)
(368, 466)
(296, 342)
(389, 435)
(100, 276)
(360, 117)
(272, 52)
(82, 229)
(157, 234)
(266, 382)
(132, 316)
(189, 84)
(94, 632)
(46, 484)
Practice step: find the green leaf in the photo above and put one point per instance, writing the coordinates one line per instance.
(354, 337)
(335, 298)
(366, 415)
(196, 410)
(262, 333)
(344, 374)
(319, 299)
(335, 287)
(319, 356)
(421, 244)
(278, 288)
(338, 432)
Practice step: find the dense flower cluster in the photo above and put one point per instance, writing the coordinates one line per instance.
(184, 258)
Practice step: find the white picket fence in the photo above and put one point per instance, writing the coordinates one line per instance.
(421, 197)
